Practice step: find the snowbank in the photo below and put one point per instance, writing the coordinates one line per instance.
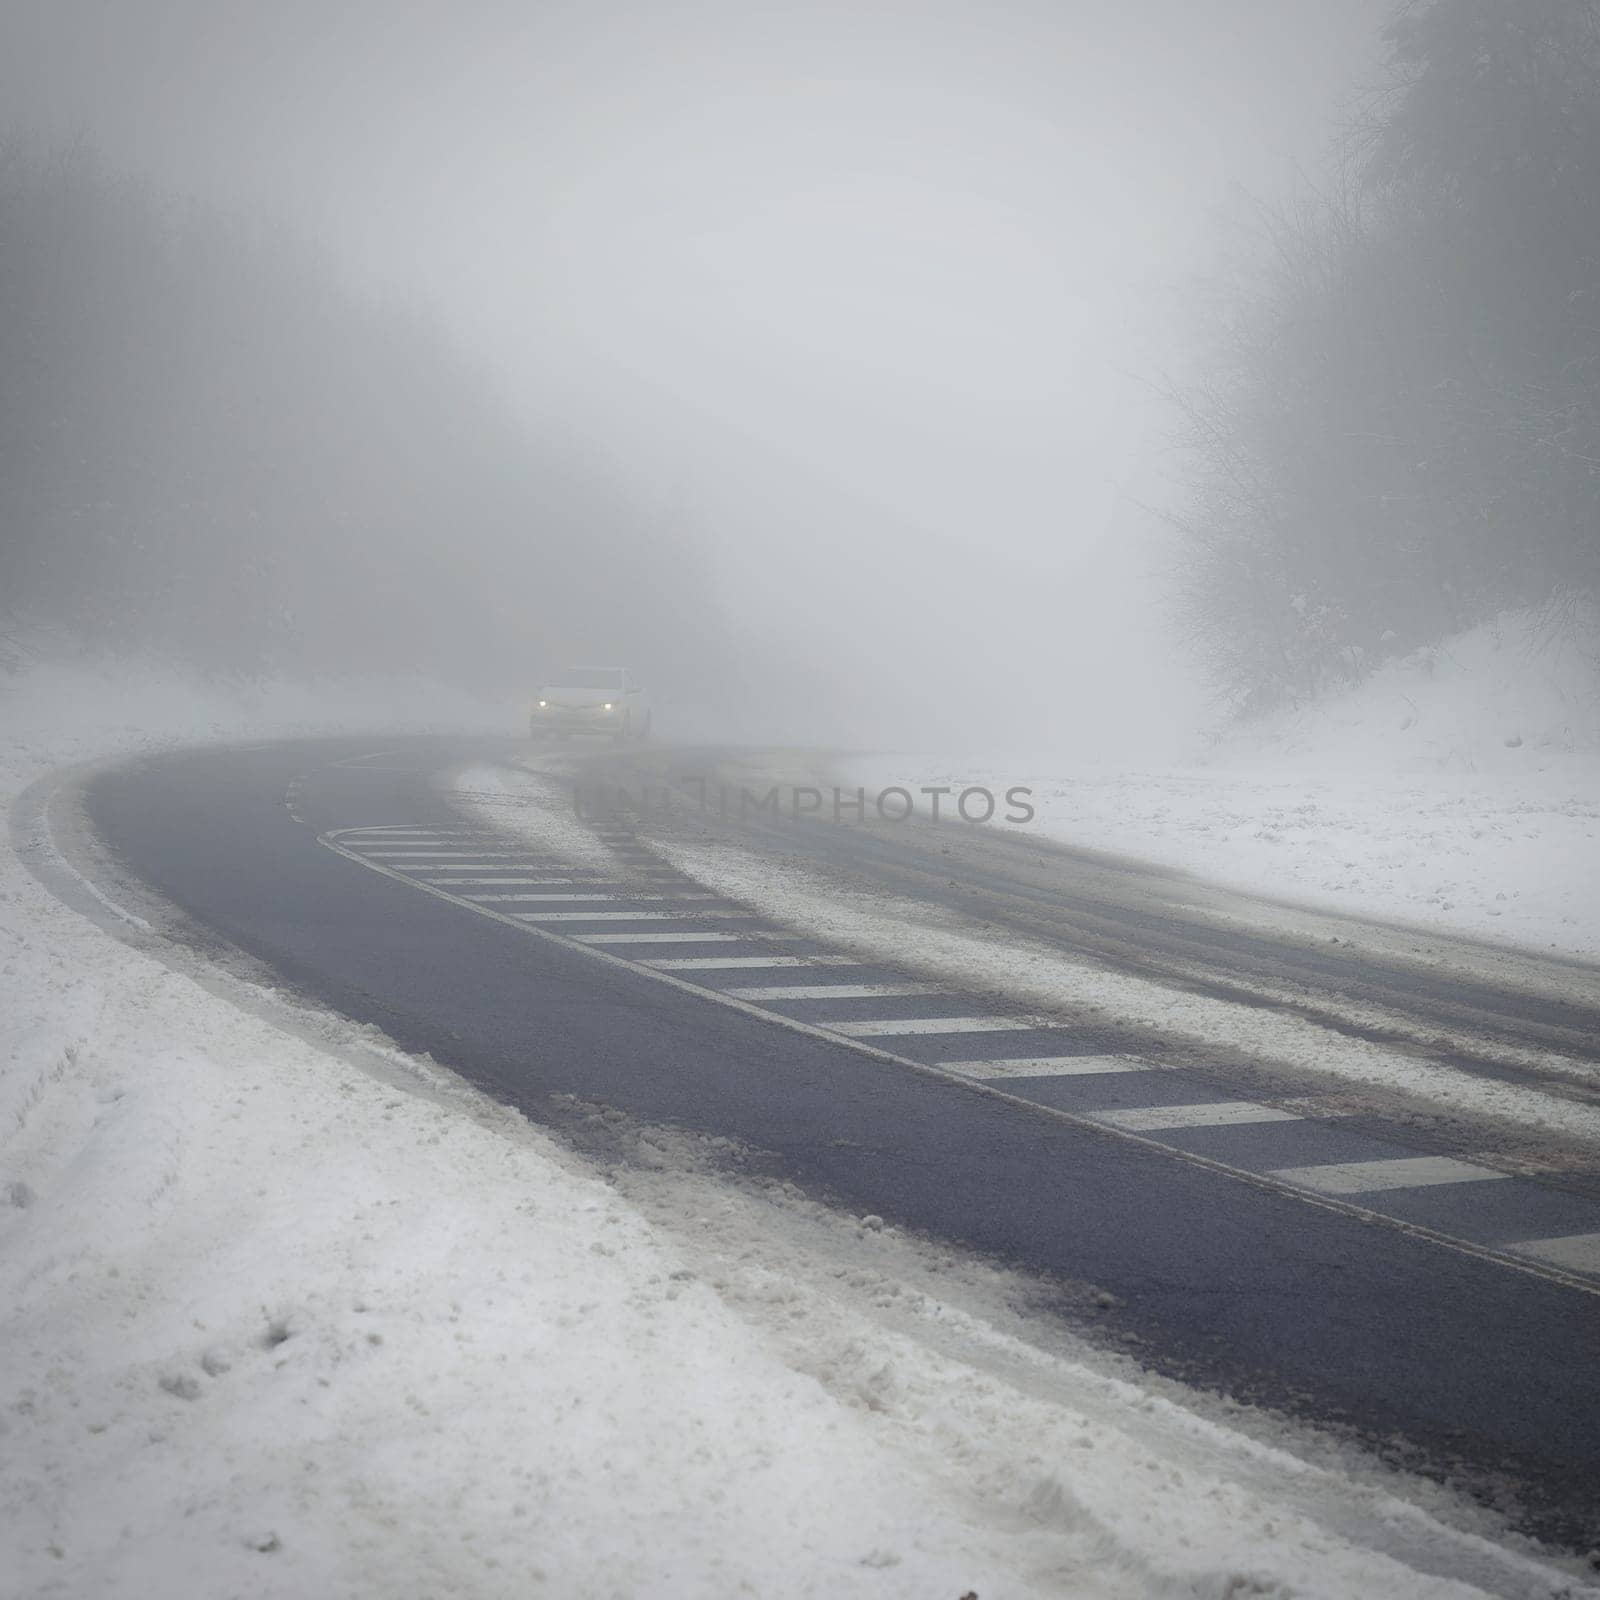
(283, 1312)
(1459, 789)
(1517, 697)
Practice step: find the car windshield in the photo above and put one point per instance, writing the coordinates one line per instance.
(588, 678)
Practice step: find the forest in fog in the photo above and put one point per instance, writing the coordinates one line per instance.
(214, 451)
(1399, 432)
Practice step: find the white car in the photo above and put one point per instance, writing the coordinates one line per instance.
(602, 700)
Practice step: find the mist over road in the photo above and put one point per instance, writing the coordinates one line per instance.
(1426, 1280)
(1190, 410)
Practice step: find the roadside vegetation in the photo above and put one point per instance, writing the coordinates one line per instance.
(1397, 435)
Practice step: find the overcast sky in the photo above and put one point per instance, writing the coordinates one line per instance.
(869, 293)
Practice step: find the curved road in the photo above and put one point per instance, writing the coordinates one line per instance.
(1451, 1317)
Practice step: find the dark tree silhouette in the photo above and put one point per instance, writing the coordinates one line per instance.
(1399, 433)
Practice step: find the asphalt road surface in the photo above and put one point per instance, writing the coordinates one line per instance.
(1428, 1282)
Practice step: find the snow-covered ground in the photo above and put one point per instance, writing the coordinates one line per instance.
(285, 1312)
(1459, 788)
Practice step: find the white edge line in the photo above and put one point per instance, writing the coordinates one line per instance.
(104, 899)
(1528, 1266)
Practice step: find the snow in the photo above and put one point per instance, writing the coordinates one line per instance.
(1457, 789)
(543, 806)
(953, 947)
(286, 1312)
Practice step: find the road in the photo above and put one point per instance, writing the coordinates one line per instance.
(1426, 1281)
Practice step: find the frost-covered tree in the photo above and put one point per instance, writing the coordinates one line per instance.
(1409, 385)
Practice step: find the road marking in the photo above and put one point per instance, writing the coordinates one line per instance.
(428, 841)
(438, 840)
(624, 916)
(540, 864)
(1218, 1114)
(525, 883)
(677, 938)
(726, 963)
(1525, 1262)
(447, 855)
(378, 829)
(1578, 1251)
(1045, 1066)
(594, 897)
(1369, 1177)
(831, 991)
(880, 1027)
(423, 847)
(418, 850)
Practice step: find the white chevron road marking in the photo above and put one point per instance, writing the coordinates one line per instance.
(1370, 1177)
(831, 991)
(1046, 1066)
(1580, 1252)
(742, 937)
(886, 1027)
(625, 916)
(730, 963)
(1217, 1114)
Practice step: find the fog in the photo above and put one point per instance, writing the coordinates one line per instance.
(861, 310)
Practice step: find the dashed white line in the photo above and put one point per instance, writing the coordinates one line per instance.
(1369, 1177)
(1217, 1114)
(1045, 1066)
(831, 991)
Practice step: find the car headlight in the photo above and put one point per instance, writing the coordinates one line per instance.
(606, 706)
(543, 704)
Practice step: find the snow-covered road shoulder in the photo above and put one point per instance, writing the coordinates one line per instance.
(1458, 789)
